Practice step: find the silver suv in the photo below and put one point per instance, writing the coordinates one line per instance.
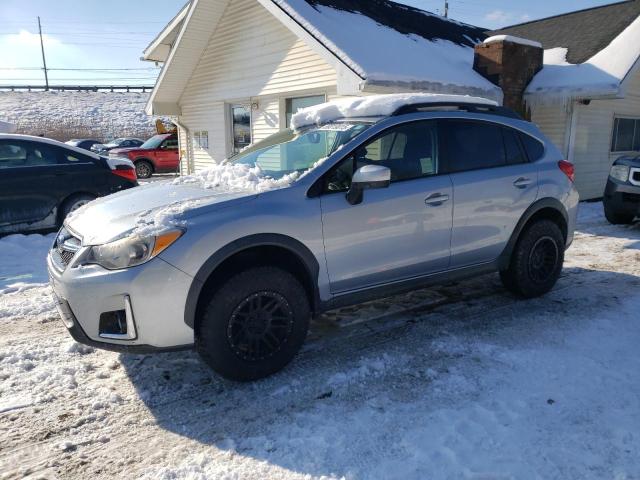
(346, 208)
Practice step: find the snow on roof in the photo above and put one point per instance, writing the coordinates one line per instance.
(387, 43)
(512, 39)
(601, 75)
(372, 106)
(6, 127)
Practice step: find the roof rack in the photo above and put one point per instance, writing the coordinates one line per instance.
(467, 107)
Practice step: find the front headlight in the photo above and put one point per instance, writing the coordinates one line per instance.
(131, 251)
(620, 172)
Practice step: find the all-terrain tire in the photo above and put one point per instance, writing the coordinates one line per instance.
(536, 261)
(231, 322)
(144, 169)
(617, 218)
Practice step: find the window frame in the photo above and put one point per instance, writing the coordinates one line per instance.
(285, 102)
(635, 137)
(231, 130)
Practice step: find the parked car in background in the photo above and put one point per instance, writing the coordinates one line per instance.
(380, 198)
(82, 143)
(159, 154)
(116, 143)
(622, 194)
(42, 181)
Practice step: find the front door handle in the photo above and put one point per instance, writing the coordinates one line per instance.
(522, 182)
(436, 199)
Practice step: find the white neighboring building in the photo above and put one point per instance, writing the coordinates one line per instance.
(587, 96)
(238, 69)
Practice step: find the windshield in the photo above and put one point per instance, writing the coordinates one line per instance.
(288, 151)
(154, 142)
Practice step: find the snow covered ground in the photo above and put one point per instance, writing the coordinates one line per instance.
(459, 381)
(66, 115)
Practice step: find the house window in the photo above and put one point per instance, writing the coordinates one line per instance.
(201, 140)
(295, 104)
(626, 135)
(240, 127)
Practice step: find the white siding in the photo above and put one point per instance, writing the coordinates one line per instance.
(592, 151)
(552, 121)
(250, 59)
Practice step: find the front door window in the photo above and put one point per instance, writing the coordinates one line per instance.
(241, 127)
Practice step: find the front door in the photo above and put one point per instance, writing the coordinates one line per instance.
(396, 233)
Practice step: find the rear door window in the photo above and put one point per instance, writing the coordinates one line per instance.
(471, 145)
(513, 148)
(533, 147)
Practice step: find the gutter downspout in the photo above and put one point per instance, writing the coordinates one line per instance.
(573, 124)
(189, 156)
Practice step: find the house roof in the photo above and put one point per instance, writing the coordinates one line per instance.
(158, 50)
(391, 44)
(583, 33)
(588, 54)
(369, 42)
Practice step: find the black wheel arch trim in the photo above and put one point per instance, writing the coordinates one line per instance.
(294, 246)
(543, 203)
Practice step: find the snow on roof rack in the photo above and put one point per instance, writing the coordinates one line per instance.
(468, 107)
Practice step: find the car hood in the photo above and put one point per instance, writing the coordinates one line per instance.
(148, 209)
(116, 151)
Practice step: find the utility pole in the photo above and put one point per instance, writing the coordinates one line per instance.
(446, 8)
(44, 60)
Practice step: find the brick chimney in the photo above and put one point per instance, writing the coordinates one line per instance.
(510, 63)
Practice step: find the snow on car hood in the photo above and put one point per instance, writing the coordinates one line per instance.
(155, 207)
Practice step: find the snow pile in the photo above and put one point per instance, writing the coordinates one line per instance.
(21, 261)
(601, 75)
(512, 39)
(233, 177)
(373, 106)
(66, 115)
(384, 56)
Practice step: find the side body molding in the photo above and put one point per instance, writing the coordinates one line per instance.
(260, 240)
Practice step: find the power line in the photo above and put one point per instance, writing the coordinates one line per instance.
(82, 69)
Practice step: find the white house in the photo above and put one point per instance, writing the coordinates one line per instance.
(587, 97)
(235, 71)
(238, 69)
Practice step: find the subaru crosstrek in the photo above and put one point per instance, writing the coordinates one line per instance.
(345, 208)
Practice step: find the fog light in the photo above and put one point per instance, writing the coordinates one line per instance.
(118, 324)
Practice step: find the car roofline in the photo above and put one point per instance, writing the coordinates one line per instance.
(49, 141)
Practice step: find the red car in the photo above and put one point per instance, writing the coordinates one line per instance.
(159, 154)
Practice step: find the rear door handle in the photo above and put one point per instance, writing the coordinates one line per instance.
(436, 199)
(522, 182)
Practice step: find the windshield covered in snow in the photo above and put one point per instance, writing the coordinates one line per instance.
(289, 152)
(154, 142)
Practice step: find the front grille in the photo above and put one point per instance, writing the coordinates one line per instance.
(65, 248)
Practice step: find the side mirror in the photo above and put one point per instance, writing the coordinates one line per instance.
(365, 178)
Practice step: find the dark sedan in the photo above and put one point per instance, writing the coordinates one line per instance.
(84, 144)
(42, 181)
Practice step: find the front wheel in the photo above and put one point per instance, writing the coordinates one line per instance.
(144, 169)
(254, 324)
(536, 262)
(617, 218)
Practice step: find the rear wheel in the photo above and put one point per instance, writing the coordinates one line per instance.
(536, 262)
(73, 203)
(617, 218)
(254, 324)
(144, 169)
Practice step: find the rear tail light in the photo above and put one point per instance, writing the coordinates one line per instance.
(125, 171)
(568, 169)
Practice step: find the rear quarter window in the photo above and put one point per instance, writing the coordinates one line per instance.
(533, 147)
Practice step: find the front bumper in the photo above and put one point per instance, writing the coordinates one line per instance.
(154, 294)
(622, 197)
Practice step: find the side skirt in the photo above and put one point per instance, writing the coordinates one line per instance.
(381, 291)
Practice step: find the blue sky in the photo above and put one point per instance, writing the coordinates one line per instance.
(98, 37)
